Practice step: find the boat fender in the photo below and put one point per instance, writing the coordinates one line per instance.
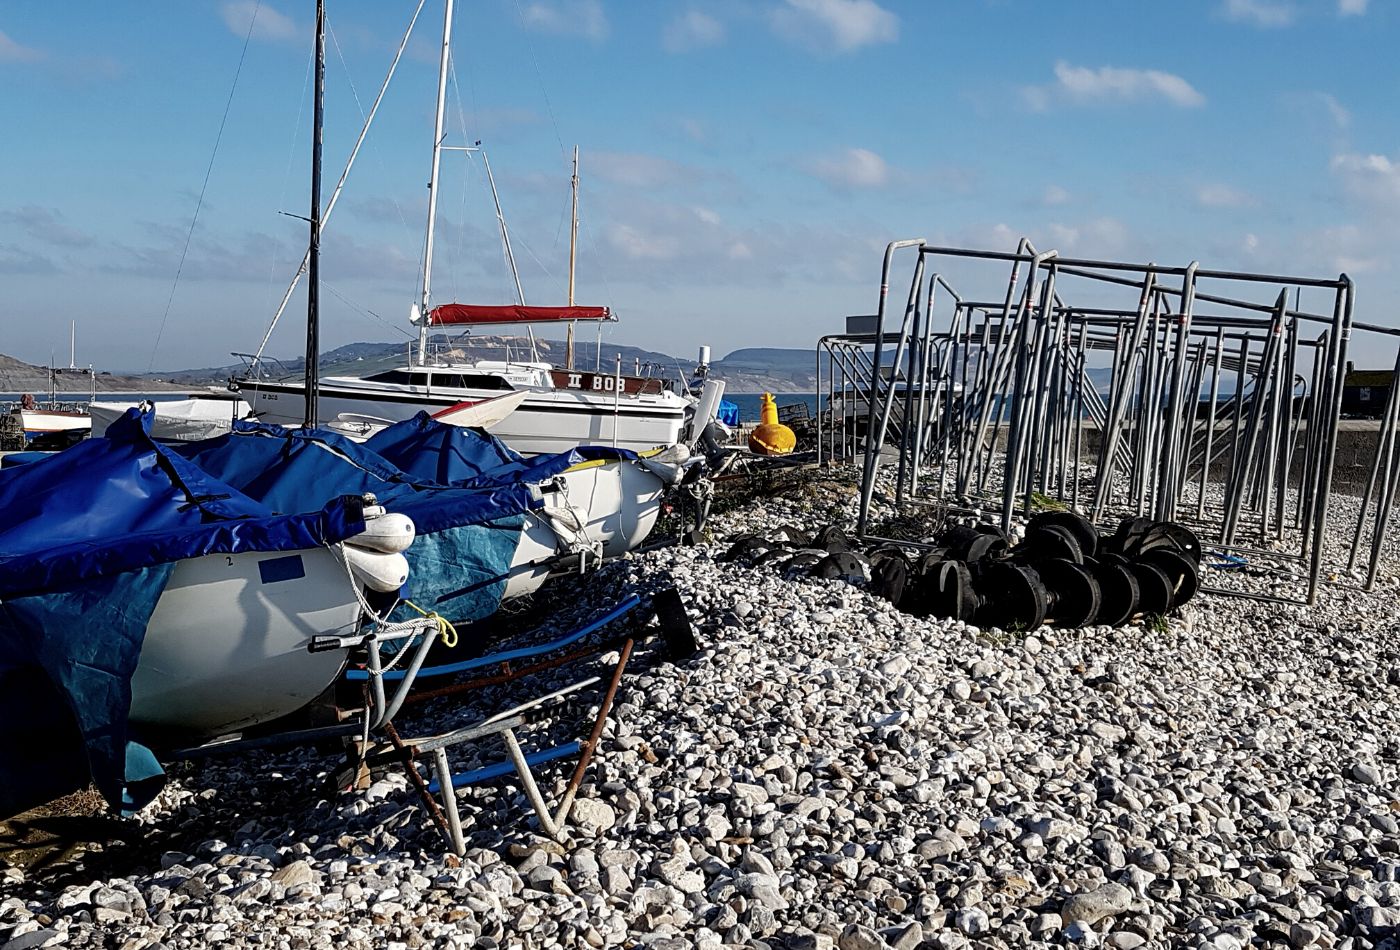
(390, 533)
(373, 511)
(667, 464)
(377, 570)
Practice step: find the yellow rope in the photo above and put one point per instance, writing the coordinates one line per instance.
(445, 629)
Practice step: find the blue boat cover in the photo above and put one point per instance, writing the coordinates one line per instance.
(472, 458)
(87, 541)
(467, 496)
(446, 454)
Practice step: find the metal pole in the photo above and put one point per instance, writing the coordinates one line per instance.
(1333, 389)
(313, 279)
(425, 302)
(872, 459)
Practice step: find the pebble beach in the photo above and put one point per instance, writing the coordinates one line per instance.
(826, 772)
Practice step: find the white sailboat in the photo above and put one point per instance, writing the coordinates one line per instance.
(561, 408)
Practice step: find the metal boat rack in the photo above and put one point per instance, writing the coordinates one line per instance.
(1207, 397)
(377, 744)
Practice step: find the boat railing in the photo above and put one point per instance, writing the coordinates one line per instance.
(520, 354)
(256, 366)
(47, 405)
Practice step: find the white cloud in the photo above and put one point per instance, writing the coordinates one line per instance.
(839, 26)
(1372, 178)
(1218, 195)
(1320, 109)
(1054, 195)
(1350, 249)
(635, 243)
(1084, 84)
(851, 168)
(1103, 237)
(1335, 109)
(1269, 14)
(572, 17)
(692, 30)
(1250, 244)
(269, 25)
(1352, 7)
(47, 225)
(12, 52)
(639, 171)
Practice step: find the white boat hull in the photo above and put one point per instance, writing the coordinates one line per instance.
(47, 422)
(226, 647)
(546, 422)
(619, 501)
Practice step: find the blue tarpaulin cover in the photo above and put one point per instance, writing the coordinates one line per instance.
(471, 458)
(728, 413)
(465, 491)
(87, 538)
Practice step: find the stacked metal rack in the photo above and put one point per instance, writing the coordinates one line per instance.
(1206, 397)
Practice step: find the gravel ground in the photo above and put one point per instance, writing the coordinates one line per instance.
(830, 772)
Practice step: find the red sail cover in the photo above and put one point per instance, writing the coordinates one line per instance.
(472, 314)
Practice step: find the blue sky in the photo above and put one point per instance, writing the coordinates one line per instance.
(744, 162)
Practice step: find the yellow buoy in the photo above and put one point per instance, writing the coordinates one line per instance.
(771, 437)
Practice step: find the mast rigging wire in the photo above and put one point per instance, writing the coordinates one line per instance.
(199, 205)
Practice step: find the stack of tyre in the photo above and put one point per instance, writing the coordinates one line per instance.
(1064, 571)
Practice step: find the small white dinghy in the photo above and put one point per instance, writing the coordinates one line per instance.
(598, 509)
(471, 414)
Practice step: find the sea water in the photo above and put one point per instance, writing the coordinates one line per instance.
(749, 403)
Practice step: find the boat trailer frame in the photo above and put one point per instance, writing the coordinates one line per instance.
(377, 743)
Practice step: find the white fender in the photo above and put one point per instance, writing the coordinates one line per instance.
(389, 533)
(377, 570)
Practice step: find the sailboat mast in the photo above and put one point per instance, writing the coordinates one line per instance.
(573, 256)
(313, 283)
(425, 304)
(505, 232)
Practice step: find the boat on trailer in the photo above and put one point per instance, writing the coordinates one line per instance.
(50, 426)
(154, 596)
